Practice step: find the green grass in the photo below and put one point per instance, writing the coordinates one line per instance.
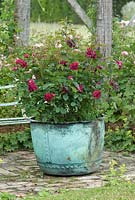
(123, 191)
(39, 30)
(40, 27)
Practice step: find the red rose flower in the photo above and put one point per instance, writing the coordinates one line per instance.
(98, 83)
(99, 67)
(71, 43)
(96, 94)
(49, 96)
(119, 63)
(26, 55)
(65, 89)
(63, 62)
(21, 62)
(74, 66)
(80, 88)
(33, 54)
(90, 53)
(114, 85)
(32, 85)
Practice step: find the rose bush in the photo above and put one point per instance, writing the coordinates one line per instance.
(63, 80)
(120, 115)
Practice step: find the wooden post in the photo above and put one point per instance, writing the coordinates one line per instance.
(80, 12)
(23, 20)
(104, 26)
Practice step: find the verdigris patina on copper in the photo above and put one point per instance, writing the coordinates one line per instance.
(68, 148)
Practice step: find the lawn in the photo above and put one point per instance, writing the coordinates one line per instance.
(123, 191)
(39, 29)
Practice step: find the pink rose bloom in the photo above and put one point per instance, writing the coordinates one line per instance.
(74, 66)
(96, 94)
(49, 96)
(21, 62)
(70, 77)
(124, 53)
(32, 85)
(33, 54)
(26, 55)
(15, 68)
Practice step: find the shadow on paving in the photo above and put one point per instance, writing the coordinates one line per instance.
(19, 174)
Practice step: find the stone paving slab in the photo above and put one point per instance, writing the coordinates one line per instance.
(19, 174)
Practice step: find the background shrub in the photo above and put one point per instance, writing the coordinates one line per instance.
(15, 137)
(128, 10)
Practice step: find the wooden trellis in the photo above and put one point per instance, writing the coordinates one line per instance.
(104, 22)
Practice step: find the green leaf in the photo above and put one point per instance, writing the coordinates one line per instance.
(73, 104)
(57, 109)
(76, 95)
(76, 84)
(48, 85)
(80, 98)
(63, 111)
(65, 97)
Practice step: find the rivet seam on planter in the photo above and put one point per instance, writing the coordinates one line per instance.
(46, 147)
(73, 166)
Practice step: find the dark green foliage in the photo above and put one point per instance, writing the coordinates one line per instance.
(15, 140)
(56, 10)
(120, 139)
(72, 98)
(52, 11)
(7, 25)
(121, 111)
